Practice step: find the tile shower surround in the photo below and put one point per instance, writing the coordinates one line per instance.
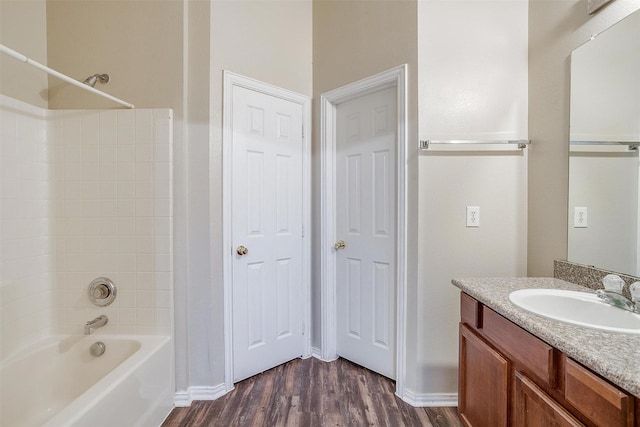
(84, 193)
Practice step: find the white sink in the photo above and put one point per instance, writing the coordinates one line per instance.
(577, 308)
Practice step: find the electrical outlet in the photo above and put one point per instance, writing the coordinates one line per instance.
(580, 217)
(473, 216)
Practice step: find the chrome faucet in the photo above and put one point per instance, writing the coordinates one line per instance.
(98, 322)
(612, 293)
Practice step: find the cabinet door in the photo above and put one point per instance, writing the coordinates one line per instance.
(484, 376)
(534, 408)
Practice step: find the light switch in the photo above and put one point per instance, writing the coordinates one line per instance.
(580, 217)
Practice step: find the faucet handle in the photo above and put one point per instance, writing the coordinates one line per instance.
(634, 288)
(613, 282)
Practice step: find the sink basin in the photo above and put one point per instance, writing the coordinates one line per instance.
(577, 308)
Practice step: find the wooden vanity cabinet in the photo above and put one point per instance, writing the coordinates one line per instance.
(509, 377)
(487, 371)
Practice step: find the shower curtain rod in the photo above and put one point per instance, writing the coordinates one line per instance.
(21, 57)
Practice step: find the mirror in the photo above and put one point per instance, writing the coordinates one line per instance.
(603, 154)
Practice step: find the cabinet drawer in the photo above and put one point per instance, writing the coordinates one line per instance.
(601, 402)
(534, 355)
(469, 310)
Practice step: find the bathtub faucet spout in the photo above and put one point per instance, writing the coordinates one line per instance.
(98, 322)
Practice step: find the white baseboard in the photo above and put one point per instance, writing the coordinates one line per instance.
(317, 353)
(419, 400)
(185, 398)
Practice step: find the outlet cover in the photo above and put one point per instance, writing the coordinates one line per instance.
(473, 216)
(580, 217)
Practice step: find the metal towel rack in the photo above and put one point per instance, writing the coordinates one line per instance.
(632, 145)
(427, 143)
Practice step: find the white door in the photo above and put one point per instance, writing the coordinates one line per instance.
(267, 211)
(366, 223)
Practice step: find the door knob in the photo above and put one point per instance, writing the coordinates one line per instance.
(339, 245)
(242, 250)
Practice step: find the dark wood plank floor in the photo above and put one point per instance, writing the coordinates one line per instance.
(308, 393)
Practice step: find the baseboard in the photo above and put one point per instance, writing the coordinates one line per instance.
(429, 399)
(185, 398)
(317, 353)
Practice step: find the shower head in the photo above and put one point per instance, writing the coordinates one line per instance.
(91, 80)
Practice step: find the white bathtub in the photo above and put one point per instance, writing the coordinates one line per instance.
(58, 383)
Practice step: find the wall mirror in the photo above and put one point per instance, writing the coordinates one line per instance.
(604, 160)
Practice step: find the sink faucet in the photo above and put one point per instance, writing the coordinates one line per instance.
(98, 322)
(612, 293)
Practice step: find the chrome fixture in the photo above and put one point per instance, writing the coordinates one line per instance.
(98, 322)
(97, 349)
(612, 293)
(102, 291)
(425, 144)
(92, 80)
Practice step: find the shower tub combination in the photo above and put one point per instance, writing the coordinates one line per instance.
(59, 383)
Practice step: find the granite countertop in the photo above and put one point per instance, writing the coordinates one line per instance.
(614, 356)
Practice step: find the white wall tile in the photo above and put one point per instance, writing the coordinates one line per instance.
(126, 118)
(87, 192)
(108, 118)
(26, 300)
(126, 136)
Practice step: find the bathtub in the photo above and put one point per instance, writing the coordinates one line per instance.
(59, 383)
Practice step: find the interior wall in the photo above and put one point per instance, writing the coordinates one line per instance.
(23, 28)
(353, 40)
(555, 29)
(138, 43)
(473, 85)
(268, 41)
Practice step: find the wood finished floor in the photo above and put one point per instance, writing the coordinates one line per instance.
(312, 393)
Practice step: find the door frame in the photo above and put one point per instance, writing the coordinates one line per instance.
(328, 102)
(231, 80)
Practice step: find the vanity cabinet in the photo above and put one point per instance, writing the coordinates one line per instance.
(509, 377)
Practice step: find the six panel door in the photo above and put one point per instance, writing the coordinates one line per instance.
(366, 223)
(266, 232)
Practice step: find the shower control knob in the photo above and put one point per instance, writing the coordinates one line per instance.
(102, 291)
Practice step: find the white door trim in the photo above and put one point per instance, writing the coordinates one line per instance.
(230, 80)
(394, 77)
